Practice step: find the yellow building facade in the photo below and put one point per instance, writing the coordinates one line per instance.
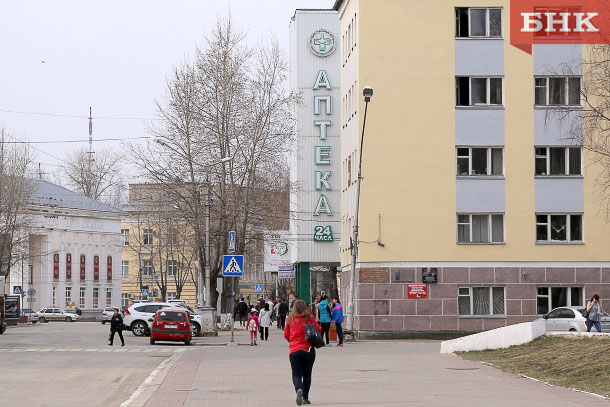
(470, 180)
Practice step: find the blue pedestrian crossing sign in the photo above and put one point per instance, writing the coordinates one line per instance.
(258, 288)
(233, 265)
(231, 242)
(17, 290)
(144, 292)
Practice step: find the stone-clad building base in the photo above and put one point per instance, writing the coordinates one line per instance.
(383, 306)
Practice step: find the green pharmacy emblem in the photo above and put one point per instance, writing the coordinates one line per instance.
(322, 42)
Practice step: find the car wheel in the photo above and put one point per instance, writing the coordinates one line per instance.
(68, 319)
(572, 330)
(152, 341)
(187, 343)
(138, 328)
(195, 329)
(42, 320)
(103, 322)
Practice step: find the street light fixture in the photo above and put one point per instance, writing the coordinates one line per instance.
(367, 92)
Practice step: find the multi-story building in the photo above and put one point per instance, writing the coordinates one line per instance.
(469, 176)
(73, 255)
(159, 252)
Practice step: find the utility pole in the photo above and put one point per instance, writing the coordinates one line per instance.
(90, 152)
(207, 246)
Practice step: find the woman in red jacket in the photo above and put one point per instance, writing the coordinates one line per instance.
(302, 354)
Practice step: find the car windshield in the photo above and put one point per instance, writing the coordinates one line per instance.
(171, 316)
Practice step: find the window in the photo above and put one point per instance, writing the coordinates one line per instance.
(548, 298)
(172, 237)
(68, 295)
(559, 228)
(558, 161)
(148, 237)
(480, 161)
(172, 267)
(81, 296)
(480, 228)
(54, 296)
(478, 91)
(478, 22)
(557, 91)
(125, 268)
(125, 300)
(147, 267)
(481, 301)
(171, 295)
(125, 237)
(96, 296)
(108, 296)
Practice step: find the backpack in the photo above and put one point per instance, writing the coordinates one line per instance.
(252, 325)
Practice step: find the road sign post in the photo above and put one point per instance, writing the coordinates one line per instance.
(145, 292)
(231, 242)
(232, 266)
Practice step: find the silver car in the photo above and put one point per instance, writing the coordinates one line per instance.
(30, 314)
(571, 319)
(107, 314)
(56, 314)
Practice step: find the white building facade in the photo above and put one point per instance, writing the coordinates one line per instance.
(74, 252)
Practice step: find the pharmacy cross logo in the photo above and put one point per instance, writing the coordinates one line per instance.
(322, 42)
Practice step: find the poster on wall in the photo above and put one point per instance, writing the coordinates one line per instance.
(11, 307)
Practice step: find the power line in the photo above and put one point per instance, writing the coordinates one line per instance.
(74, 116)
(74, 141)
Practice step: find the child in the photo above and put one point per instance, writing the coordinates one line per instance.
(253, 325)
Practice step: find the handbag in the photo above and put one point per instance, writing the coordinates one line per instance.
(313, 336)
(587, 312)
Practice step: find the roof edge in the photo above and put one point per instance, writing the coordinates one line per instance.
(337, 4)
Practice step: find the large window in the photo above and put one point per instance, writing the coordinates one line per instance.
(478, 22)
(125, 268)
(481, 301)
(559, 228)
(172, 267)
(125, 237)
(480, 228)
(558, 161)
(68, 295)
(147, 237)
(148, 268)
(557, 91)
(478, 91)
(54, 296)
(96, 297)
(108, 296)
(125, 300)
(171, 295)
(548, 298)
(480, 161)
(81, 296)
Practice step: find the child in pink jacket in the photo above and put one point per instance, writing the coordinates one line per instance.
(253, 325)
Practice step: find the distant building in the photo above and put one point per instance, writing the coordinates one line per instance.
(74, 256)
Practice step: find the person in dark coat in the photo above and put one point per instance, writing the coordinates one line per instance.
(116, 326)
(282, 312)
(242, 310)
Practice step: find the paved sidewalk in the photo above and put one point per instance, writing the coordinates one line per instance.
(393, 373)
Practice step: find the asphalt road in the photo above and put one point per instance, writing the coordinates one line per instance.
(70, 364)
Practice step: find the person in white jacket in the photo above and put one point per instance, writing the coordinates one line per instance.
(264, 318)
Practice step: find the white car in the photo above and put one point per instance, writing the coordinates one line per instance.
(56, 314)
(107, 314)
(571, 319)
(137, 317)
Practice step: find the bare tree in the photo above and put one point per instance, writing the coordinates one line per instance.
(15, 193)
(99, 177)
(232, 103)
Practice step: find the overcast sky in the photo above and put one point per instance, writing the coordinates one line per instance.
(61, 56)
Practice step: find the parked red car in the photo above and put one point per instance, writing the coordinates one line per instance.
(171, 324)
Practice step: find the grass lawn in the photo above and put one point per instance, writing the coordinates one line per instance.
(579, 363)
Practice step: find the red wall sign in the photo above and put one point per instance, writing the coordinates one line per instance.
(68, 266)
(56, 266)
(96, 268)
(109, 267)
(415, 291)
(82, 267)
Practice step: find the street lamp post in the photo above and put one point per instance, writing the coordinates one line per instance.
(367, 93)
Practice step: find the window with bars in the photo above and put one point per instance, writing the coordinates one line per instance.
(557, 90)
(480, 161)
(559, 228)
(481, 301)
(558, 161)
(480, 228)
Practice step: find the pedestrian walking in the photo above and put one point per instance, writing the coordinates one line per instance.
(324, 315)
(296, 298)
(253, 325)
(337, 316)
(594, 314)
(302, 355)
(277, 313)
(116, 326)
(283, 312)
(242, 311)
(265, 321)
